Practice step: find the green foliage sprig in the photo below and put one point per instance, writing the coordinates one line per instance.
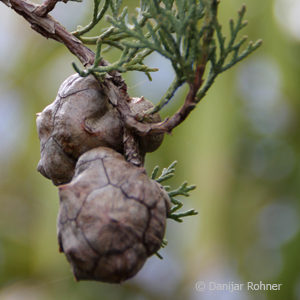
(131, 59)
(186, 32)
(182, 190)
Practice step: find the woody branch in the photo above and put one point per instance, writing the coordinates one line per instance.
(44, 24)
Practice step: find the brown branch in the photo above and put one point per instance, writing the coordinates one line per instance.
(169, 124)
(116, 88)
(166, 126)
(190, 102)
(50, 28)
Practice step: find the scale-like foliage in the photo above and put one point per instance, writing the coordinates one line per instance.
(186, 32)
(182, 190)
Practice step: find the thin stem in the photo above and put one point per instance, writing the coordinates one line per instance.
(97, 16)
(50, 28)
(167, 96)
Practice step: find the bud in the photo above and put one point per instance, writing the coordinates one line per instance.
(112, 217)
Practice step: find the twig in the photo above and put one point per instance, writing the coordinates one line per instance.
(169, 124)
(97, 16)
(190, 102)
(116, 88)
(50, 28)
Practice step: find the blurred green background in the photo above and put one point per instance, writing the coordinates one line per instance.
(241, 147)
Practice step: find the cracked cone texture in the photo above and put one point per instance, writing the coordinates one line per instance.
(82, 118)
(112, 217)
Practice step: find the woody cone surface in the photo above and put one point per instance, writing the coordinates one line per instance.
(112, 217)
(82, 118)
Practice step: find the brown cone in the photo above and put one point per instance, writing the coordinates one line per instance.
(112, 217)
